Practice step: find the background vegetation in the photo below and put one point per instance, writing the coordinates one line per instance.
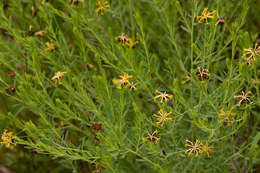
(91, 122)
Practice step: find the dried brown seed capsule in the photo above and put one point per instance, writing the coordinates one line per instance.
(95, 138)
(97, 126)
(11, 73)
(31, 33)
(140, 95)
(5, 4)
(75, 2)
(10, 90)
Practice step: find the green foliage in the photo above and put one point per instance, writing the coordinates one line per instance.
(86, 122)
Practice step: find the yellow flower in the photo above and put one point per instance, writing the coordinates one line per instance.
(58, 76)
(207, 149)
(123, 81)
(193, 148)
(125, 40)
(162, 117)
(163, 96)
(205, 15)
(102, 6)
(225, 116)
(50, 46)
(244, 98)
(251, 54)
(8, 140)
(131, 43)
(122, 39)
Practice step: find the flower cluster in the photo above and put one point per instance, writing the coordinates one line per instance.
(58, 76)
(226, 116)
(251, 54)
(7, 140)
(102, 6)
(197, 147)
(161, 116)
(124, 82)
(205, 15)
(124, 40)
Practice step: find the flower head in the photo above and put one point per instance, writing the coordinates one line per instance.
(202, 73)
(102, 6)
(193, 148)
(207, 149)
(251, 54)
(162, 117)
(152, 138)
(225, 116)
(8, 139)
(58, 76)
(131, 43)
(122, 39)
(124, 82)
(164, 97)
(205, 15)
(244, 98)
(50, 46)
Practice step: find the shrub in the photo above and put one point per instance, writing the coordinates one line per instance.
(130, 86)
